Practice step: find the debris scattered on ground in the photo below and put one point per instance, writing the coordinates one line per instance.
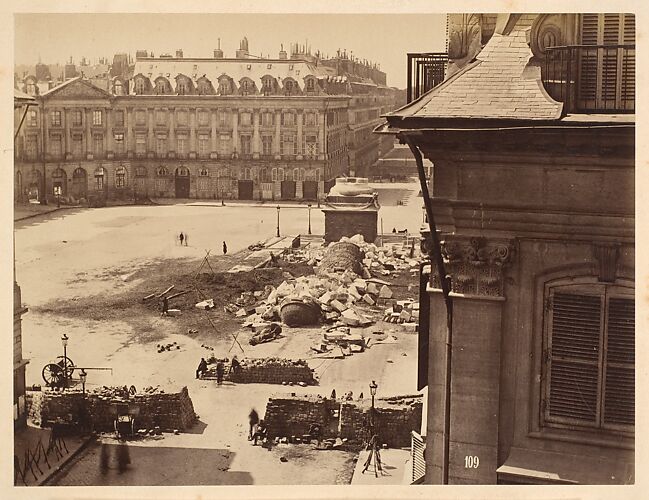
(206, 304)
(404, 311)
(267, 334)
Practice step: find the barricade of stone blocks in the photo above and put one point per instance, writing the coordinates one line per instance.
(167, 410)
(292, 415)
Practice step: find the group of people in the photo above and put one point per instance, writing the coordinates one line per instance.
(235, 366)
(349, 396)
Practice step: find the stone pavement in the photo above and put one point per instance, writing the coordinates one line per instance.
(47, 460)
(394, 462)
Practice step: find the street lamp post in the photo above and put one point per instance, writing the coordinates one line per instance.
(309, 207)
(373, 444)
(82, 376)
(373, 387)
(64, 342)
(278, 207)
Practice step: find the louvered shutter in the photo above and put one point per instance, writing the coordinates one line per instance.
(619, 387)
(574, 358)
(588, 61)
(417, 459)
(627, 84)
(607, 74)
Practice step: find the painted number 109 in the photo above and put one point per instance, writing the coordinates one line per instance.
(471, 462)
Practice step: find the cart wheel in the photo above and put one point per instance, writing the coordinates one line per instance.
(68, 363)
(52, 374)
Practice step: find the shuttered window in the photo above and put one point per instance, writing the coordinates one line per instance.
(607, 73)
(590, 357)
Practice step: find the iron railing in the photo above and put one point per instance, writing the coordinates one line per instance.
(591, 78)
(425, 71)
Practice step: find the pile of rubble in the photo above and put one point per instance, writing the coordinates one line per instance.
(336, 290)
(404, 311)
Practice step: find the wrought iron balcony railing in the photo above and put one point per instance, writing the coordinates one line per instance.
(591, 78)
(425, 71)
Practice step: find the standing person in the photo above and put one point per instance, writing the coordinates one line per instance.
(202, 368)
(182, 238)
(253, 419)
(186, 239)
(225, 249)
(220, 369)
(235, 366)
(165, 306)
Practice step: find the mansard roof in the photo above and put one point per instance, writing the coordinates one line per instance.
(236, 69)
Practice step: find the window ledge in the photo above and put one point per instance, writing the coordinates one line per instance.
(612, 441)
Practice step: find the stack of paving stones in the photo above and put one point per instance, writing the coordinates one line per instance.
(290, 415)
(56, 407)
(272, 371)
(153, 408)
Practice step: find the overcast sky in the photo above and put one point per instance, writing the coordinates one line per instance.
(381, 38)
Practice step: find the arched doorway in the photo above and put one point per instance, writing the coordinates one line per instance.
(140, 185)
(182, 182)
(59, 182)
(79, 183)
(34, 191)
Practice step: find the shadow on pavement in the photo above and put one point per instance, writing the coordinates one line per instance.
(198, 428)
(151, 466)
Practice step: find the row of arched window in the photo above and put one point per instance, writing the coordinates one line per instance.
(225, 85)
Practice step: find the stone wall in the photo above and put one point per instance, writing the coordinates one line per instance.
(271, 371)
(339, 223)
(292, 415)
(169, 411)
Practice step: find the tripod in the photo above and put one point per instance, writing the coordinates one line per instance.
(373, 447)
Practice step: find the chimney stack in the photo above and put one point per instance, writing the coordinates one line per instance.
(218, 53)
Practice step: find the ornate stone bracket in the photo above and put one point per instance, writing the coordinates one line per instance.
(607, 256)
(475, 265)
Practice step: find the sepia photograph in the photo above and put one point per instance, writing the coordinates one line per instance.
(323, 249)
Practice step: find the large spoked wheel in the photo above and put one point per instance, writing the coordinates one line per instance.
(68, 363)
(52, 374)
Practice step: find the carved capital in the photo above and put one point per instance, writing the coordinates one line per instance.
(476, 265)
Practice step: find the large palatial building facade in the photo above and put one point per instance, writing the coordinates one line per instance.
(238, 128)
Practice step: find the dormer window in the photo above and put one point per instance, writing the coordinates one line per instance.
(161, 87)
(224, 87)
(205, 86)
(289, 87)
(310, 85)
(139, 85)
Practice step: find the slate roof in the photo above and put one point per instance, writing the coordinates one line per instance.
(498, 85)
